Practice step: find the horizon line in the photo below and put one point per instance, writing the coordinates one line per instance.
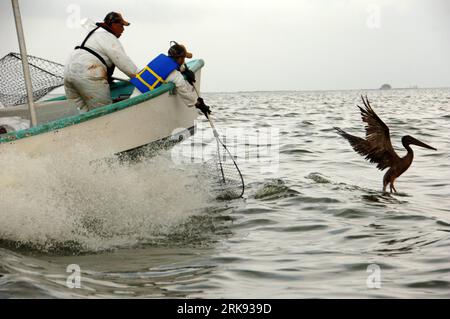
(328, 90)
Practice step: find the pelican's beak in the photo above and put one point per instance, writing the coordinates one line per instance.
(422, 144)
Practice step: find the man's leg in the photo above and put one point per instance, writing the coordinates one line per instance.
(73, 96)
(95, 92)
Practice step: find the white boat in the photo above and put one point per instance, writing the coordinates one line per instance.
(116, 128)
(122, 126)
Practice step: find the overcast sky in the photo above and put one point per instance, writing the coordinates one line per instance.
(261, 45)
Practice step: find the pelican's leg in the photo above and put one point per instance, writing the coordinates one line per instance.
(393, 187)
(389, 179)
(385, 183)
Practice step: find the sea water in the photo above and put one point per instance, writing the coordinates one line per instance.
(313, 221)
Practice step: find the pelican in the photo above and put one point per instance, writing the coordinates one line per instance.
(377, 147)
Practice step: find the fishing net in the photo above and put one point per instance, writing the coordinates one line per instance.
(229, 182)
(45, 76)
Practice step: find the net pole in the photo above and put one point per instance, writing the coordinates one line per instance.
(26, 67)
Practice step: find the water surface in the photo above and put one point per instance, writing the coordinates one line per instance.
(313, 218)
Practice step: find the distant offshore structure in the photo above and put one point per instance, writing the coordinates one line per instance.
(387, 86)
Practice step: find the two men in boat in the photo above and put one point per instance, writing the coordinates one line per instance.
(88, 72)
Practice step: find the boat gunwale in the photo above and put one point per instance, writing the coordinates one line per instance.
(194, 65)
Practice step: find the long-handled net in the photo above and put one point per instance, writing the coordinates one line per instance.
(230, 180)
(46, 76)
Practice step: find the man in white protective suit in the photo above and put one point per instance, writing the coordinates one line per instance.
(89, 69)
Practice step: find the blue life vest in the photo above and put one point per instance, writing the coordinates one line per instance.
(154, 74)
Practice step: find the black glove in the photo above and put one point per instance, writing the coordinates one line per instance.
(189, 75)
(202, 106)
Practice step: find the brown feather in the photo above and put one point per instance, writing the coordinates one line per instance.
(377, 147)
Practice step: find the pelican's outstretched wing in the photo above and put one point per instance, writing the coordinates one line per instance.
(377, 147)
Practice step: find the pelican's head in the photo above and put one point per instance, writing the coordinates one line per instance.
(409, 140)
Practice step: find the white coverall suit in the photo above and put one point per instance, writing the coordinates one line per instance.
(85, 76)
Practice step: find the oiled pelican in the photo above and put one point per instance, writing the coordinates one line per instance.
(377, 147)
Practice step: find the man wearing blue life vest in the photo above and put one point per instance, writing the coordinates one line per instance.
(89, 69)
(171, 68)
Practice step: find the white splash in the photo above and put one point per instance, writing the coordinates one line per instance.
(63, 198)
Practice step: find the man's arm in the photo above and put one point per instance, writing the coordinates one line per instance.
(116, 53)
(184, 90)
